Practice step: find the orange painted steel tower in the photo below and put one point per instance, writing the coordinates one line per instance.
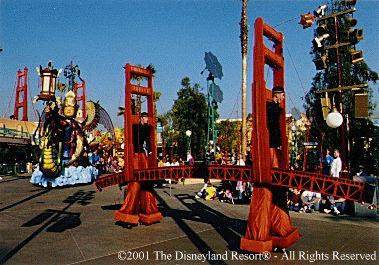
(140, 204)
(269, 224)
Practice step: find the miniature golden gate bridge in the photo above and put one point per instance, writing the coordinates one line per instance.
(269, 226)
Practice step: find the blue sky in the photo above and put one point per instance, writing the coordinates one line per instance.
(102, 36)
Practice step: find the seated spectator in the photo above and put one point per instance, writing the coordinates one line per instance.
(337, 206)
(160, 162)
(247, 191)
(175, 162)
(363, 176)
(226, 196)
(167, 163)
(202, 193)
(218, 157)
(210, 192)
(240, 189)
(294, 200)
(310, 200)
(115, 166)
(240, 161)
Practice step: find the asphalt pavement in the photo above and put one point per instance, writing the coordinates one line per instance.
(76, 225)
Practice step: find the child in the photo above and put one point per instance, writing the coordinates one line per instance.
(227, 196)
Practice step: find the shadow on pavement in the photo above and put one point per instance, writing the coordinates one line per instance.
(70, 221)
(60, 220)
(179, 216)
(65, 221)
(230, 229)
(24, 200)
(14, 179)
(112, 207)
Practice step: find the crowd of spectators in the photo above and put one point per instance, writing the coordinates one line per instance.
(241, 191)
(228, 191)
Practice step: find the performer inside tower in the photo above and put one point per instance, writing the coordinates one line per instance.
(275, 140)
(140, 204)
(273, 123)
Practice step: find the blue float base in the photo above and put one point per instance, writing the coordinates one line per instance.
(68, 176)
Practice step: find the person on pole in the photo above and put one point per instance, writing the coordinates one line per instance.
(140, 204)
(141, 141)
(273, 123)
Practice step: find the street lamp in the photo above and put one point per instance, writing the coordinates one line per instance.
(334, 119)
(189, 133)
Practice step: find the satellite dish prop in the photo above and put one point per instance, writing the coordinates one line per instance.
(216, 93)
(213, 65)
(215, 96)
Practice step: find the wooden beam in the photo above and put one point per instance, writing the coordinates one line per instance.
(353, 87)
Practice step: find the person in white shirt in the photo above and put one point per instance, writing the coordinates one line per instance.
(310, 201)
(240, 161)
(335, 170)
(175, 162)
(336, 166)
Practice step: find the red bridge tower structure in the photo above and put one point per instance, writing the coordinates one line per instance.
(21, 100)
(81, 97)
(269, 225)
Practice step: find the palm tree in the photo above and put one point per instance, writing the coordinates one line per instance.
(243, 37)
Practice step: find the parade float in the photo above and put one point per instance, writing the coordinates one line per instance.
(64, 131)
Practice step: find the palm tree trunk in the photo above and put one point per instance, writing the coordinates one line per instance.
(243, 37)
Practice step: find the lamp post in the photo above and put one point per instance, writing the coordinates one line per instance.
(189, 133)
(335, 120)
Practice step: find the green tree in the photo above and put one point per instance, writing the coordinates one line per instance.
(189, 112)
(229, 136)
(360, 134)
(169, 135)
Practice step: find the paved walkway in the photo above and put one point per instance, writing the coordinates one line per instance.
(76, 226)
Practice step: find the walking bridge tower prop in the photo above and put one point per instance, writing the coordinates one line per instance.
(269, 226)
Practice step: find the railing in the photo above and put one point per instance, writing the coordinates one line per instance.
(339, 187)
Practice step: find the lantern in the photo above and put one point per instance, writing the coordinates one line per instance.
(307, 20)
(334, 119)
(48, 82)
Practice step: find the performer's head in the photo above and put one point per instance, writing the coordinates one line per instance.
(336, 153)
(69, 105)
(278, 94)
(144, 118)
